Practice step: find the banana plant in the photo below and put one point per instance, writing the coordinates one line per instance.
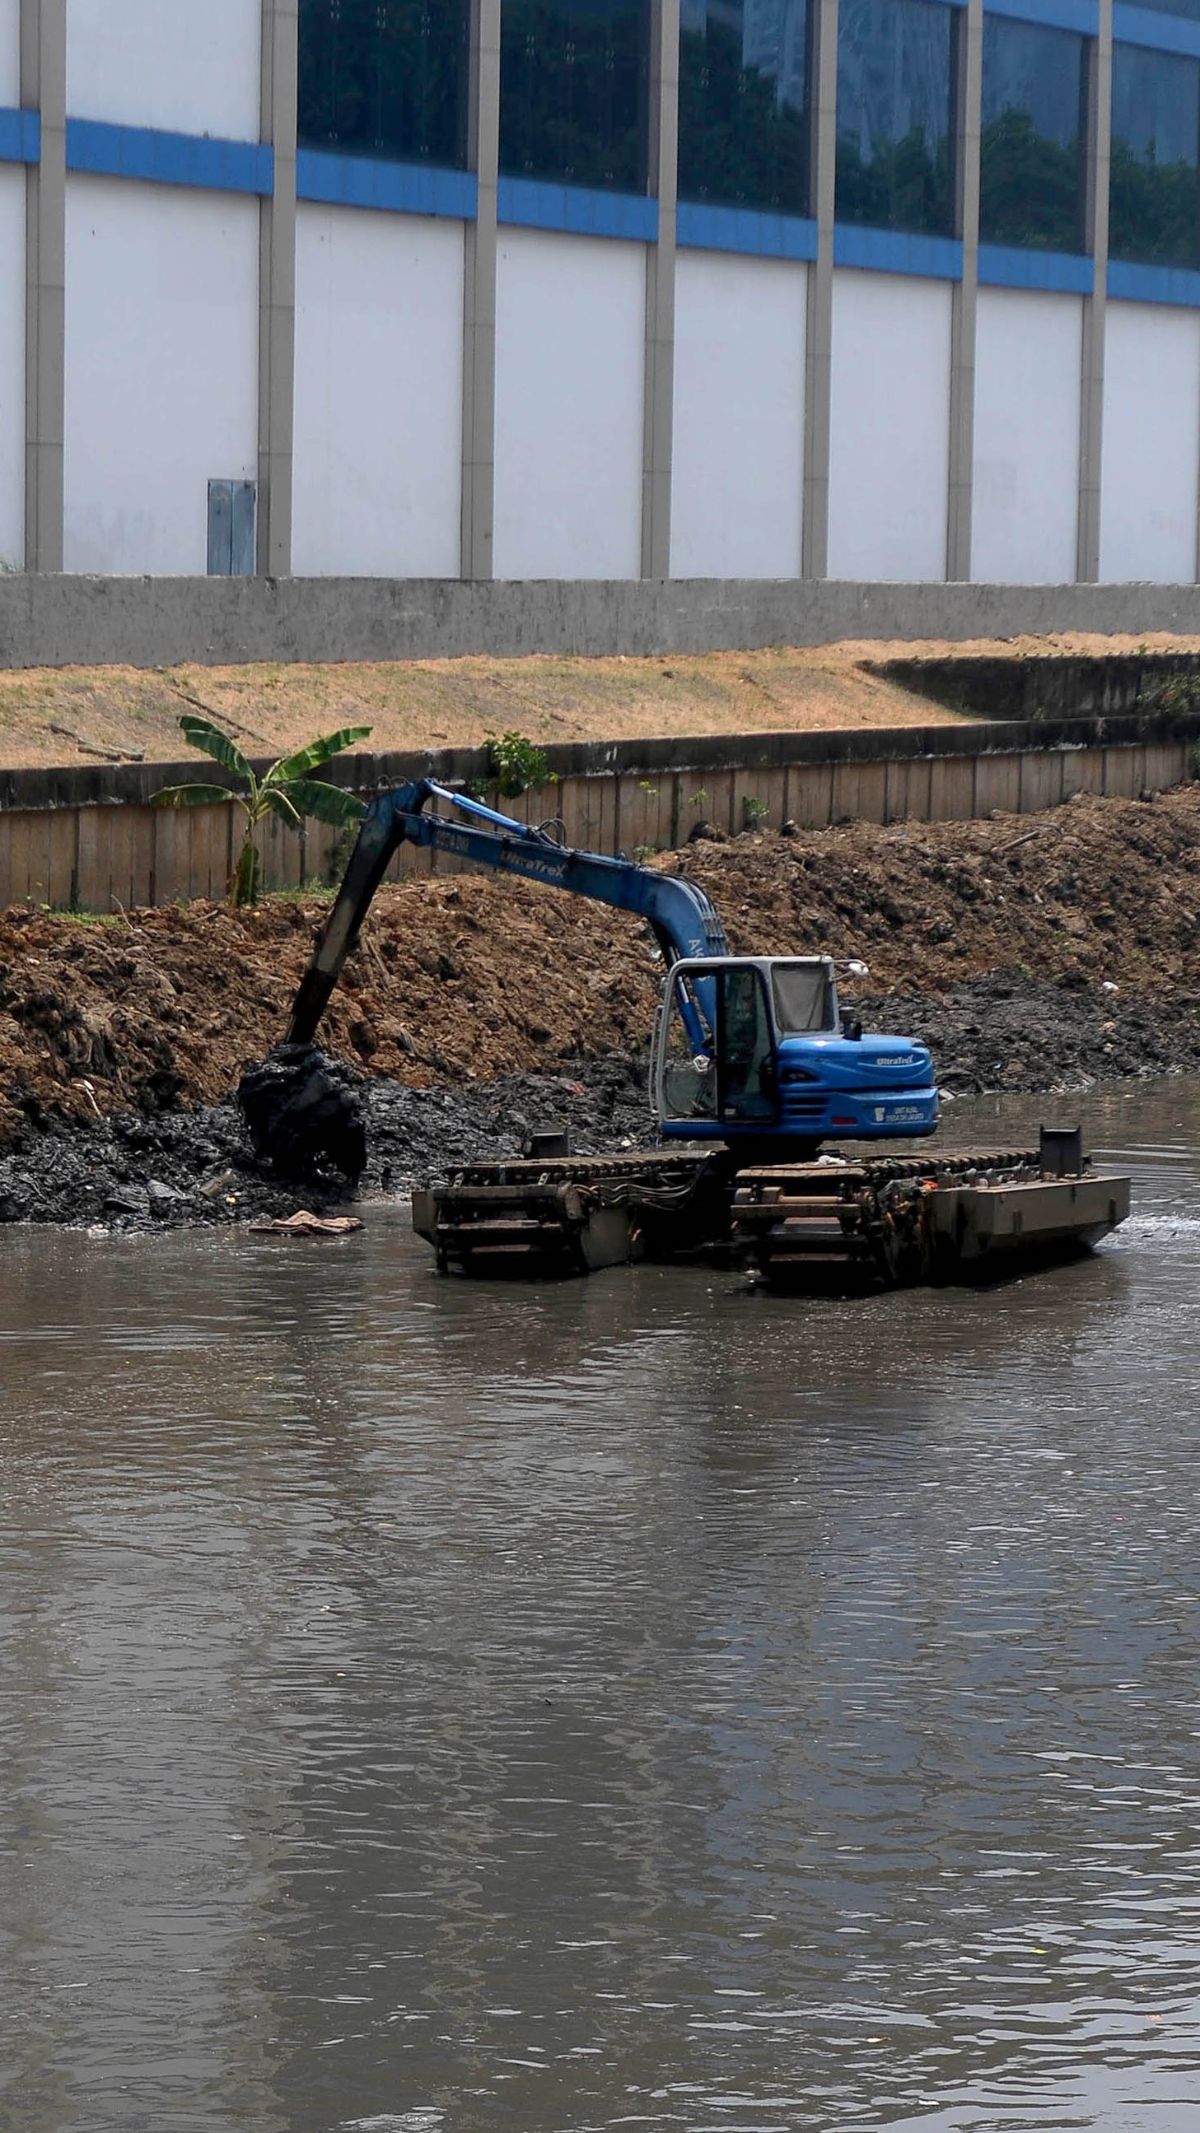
(288, 790)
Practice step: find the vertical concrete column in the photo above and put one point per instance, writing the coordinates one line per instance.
(658, 420)
(819, 333)
(44, 89)
(1091, 408)
(277, 289)
(479, 299)
(962, 329)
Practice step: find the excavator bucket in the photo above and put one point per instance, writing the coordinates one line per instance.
(304, 1113)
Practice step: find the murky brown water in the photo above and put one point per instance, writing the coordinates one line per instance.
(632, 1704)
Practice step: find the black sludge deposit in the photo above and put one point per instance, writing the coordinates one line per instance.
(170, 1167)
(183, 1167)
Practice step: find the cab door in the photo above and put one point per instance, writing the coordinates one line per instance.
(747, 1082)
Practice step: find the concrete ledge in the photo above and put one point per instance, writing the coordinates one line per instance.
(132, 784)
(82, 621)
(88, 840)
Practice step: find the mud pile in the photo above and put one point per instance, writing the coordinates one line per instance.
(1106, 888)
(459, 979)
(1032, 953)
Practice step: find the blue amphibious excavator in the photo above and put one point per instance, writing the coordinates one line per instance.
(751, 1058)
(749, 1051)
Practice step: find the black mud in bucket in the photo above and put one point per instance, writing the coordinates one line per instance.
(304, 1113)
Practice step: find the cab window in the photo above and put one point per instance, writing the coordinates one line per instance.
(803, 998)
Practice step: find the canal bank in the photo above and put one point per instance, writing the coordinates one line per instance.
(1045, 956)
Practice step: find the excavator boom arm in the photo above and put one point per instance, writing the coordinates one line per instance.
(683, 920)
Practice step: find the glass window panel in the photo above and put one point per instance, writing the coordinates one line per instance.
(386, 78)
(1032, 150)
(574, 82)
(743, 103)
(1153, 194)
(895, 154)
(803, 997)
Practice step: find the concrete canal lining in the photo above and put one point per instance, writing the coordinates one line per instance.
(88, 839)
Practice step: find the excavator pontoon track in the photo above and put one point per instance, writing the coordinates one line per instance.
(883, 1222)
(535, 1217)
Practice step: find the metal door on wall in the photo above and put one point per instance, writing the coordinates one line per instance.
(231, 529)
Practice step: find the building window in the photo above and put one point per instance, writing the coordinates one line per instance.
(1034, 128)
(1154, 194)
(574, 85)
(386, 78)
(895, 133)
(743, 103)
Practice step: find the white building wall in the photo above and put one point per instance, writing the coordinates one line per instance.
(889, 447)
(570, 325)
(378, 451)
(12, 366)
(182, 66)
(738, 453)
(161, 369)
(1025, 510)
(1151, 450)
(10, 54)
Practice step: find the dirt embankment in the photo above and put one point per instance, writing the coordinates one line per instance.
(65, 715)
(1031, 953)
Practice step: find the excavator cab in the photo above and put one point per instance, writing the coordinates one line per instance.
(754, 1048)
(717, 1058)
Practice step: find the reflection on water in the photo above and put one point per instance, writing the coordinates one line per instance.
(634, 1703)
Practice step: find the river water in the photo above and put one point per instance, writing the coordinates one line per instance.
(636, 1703)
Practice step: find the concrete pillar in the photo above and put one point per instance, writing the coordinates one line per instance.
(819, 335)
(969, 97)
(44, 89)
(277, 290)
(1091, 411)
(479, 299)
(658, 420)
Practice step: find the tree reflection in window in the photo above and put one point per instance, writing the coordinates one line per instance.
(1154, 197)
(574, 87)
(895, 154)
(386, 78)
(744, 103)
(1032, 147)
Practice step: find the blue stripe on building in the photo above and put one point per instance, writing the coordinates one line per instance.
(20, 136)
(531, 203)
(1162, 33)
(198, 160)
(1082, 16)
(897, 252)
(1008, 266)
(706, 227)
(1153, 285)
(396, 188)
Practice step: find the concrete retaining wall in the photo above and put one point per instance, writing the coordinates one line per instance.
(89, 839)
(1053, 685)
(50, 620)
